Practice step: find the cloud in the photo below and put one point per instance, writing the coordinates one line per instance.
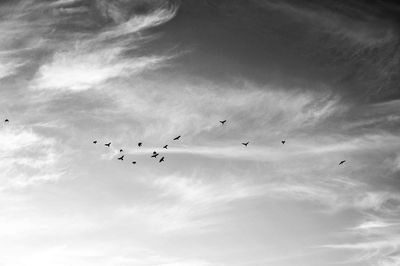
(27, 158)
(377, 239)
(379, 252)
(354, 40)
(185, 204)
(18, 36)
(8, 68)
(90, 255)
(196, 190)
(361, 30)
(192, 107)
(96, 58)
(377, 224)
(81, 70)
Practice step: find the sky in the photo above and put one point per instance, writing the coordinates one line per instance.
(322, 75)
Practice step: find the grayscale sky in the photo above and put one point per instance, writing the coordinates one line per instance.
(323, 75)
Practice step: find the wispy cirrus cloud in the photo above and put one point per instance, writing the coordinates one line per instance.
(37, 29)
(81, 70)
(194, 110)
(96, 58)
(362, 30)
(375, 252)
(373, 224)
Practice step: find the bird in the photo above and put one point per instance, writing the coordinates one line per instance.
(342, 162)
(107, 144)
(6, 120)
(177, 137)
(283, 141)
(139, 144)
(154, 155)
(161, 160)
(223, 122)
(95, 141)
(165, 147)
(121, 158)
(121, 150)
(133, 162)
(245, 143)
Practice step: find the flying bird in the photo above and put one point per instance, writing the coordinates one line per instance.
(95, 141)
(342, 162)
(283, 141)
(139, 144)
(177, 137)
(165, 147)
(6, 120)
(154, 155)
(245, 143)
(121, 150)
(223, 122)
(121, 158)
(107, 144)
(133, 162)
(161, 160)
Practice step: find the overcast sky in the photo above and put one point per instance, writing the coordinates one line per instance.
(322, 75)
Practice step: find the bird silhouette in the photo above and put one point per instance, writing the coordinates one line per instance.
(177, 137)
(161, 160)
(154, 155)
(245, 143)
(95, 141)
(342, 162)
(133, 162)
(165, 147)
(283, 141)
(121, 150)
(121, 158)
(223, 122)
(139, 144)
(6, 120)
(107, 144)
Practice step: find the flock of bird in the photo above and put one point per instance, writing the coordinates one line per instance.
(154, 154)
(162, 159)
